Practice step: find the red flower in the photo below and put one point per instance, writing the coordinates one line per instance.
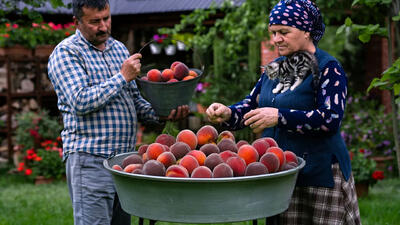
(34, 133)
(67, 33)
(378, 175)
(351, 155)
(30, 151)
(15, 26)
(21, 166)
(362, 150)
(38, 158)
(28, 172)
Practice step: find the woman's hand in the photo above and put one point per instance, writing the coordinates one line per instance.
(261, 118)
(218, 113)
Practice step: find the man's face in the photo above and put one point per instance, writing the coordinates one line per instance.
(95, 25)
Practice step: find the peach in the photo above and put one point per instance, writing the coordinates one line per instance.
(165, 139)
(241, 142)
(290, 157)
(167, 159)
(278, 152)
(132, 159)
(202, 172)
(172, 80)
(261, 146)
(255, 168)
(117, 167)
(179, 149)
(154, 75)
(227, 144)
(206, 134)
(142, 149)
(189, 162)
(154, 150)
(138, 171)
(288, 166)
(271, 142)
(213, 160)
(271, 161)
(209, 148)
(248, 153)
(144, 78)
(192, 73)
(132, 167)
(167, 74)
(225, 155)
(181, 71)
(188, 78)
(174, 64)
(199, 155)
(225, 134)
(145, 158)
(222, 170)
(176, 171)
(166, 148)
(187, 136)
(238, 165)
(154, 168)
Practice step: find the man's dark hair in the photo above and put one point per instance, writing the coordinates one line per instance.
(77, 6)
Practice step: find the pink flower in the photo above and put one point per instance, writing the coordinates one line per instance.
(15, 26)
(35, 25)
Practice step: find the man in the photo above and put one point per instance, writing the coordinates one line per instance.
(93, 76)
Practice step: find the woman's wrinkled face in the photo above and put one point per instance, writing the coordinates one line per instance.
(290, 39)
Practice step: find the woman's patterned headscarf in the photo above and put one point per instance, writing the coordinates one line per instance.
(301, 14)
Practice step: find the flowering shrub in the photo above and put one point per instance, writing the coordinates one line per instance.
(37, 34)
(364, 168)
(366, 128)
(163, 39)
(45, 161)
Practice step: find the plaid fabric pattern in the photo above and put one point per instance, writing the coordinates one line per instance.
(322, 206)
(100, 109)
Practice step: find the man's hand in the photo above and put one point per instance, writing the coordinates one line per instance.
(218, 113)
(131, 67)
(177, 114)
(261, 118)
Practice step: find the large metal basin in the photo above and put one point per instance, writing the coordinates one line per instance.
(196, 200)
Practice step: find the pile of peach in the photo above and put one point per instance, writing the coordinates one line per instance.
(207, 154)
(178, 71)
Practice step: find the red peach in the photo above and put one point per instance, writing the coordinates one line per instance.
(132, 167)
(179, 149)
(261, 146)
(209, 148)
(181, 71)
(188, 78)
(154, 75)
(153, 167)
(225, 134)
(270, 141)
(193, 73)
(213, 160)
(172, 80)
(154, 150)
(117, 167)
(177, 171)
(174, 64)
(248, 153)
(165, 139)
(256, 168)
(142, 149)
(132, 159)
(225, 155)
(290, 157)
(240, 143)
(189, 162)
(227, 144)
(271, 161)
(206, 134)
(167, 74)
(166, 158)
(278, 152)
(238, 165)
(199, 155)
(187, 136)
(222, 170)
(202, 172)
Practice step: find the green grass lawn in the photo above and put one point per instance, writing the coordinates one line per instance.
(23, 203)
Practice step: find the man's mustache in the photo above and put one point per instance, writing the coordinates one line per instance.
(102, 33)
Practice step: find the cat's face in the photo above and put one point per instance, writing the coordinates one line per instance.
(272, 70)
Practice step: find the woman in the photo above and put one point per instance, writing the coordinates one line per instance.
(304, 120)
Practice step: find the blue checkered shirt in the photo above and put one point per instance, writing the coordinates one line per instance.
(100, 108)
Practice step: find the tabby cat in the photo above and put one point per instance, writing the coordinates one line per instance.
(293, 68)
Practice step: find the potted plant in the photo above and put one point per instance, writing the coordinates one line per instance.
(24, 38)
(163, 42)
(365, 126)
(364, 171)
